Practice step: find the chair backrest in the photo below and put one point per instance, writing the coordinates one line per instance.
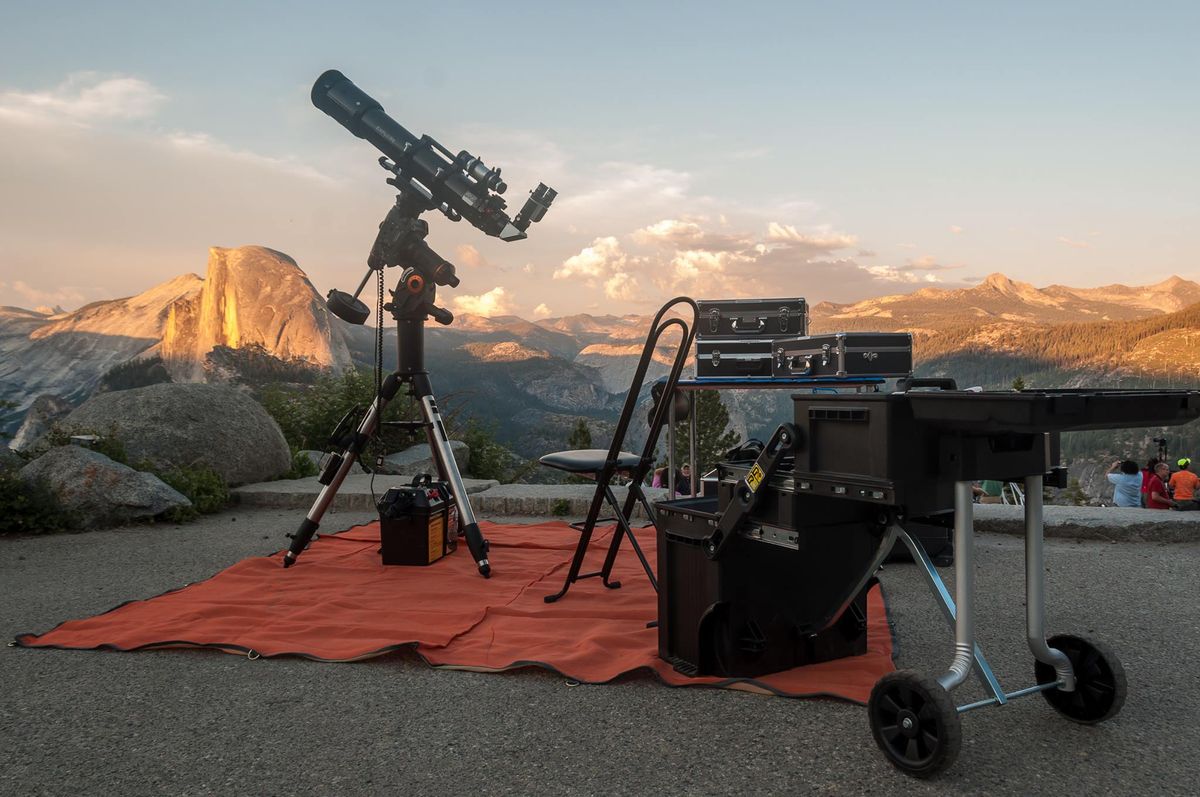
(659, 416)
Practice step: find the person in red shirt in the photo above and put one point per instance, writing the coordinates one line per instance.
(1183, 486)
(1147, 475)
(1156, 491)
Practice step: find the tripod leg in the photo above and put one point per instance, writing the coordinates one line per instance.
(443, 456)
(333, 481)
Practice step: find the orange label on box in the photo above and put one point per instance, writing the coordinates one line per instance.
(435, 536)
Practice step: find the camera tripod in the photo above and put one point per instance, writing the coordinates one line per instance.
(401, 241)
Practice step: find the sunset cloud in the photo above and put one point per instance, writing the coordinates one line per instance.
(495, 302)
(1074, 244)
(818, 242)
(893, 274)
(693, 256)
(601, 258)
(925, 263)
(542, 311)
(467, 255)
(688, 234)
(623, 287)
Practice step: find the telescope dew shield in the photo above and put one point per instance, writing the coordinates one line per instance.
(355, 110)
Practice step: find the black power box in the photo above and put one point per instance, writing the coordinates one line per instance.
(418, 524)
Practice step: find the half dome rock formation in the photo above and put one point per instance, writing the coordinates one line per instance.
(252, 295)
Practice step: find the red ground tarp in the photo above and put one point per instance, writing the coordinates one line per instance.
(339, 603)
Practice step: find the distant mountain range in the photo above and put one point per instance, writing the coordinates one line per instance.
(534, 379)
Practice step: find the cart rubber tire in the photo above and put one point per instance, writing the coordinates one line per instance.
(1099, 680)
(915, 723)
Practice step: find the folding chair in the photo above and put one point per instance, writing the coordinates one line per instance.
(603, 465)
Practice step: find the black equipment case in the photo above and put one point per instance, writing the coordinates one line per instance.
(751, 318)
(775, 598)
(732, 358)
(886, 354)
(418, 525)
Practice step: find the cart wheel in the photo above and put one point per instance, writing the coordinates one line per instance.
(915, 723)
(1099, 680)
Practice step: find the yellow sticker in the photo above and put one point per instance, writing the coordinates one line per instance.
(754, 478)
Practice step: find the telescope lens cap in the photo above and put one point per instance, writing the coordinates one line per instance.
(347, 308)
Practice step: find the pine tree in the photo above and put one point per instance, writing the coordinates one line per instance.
(581, 436)
(1018, 383)
(713, 435)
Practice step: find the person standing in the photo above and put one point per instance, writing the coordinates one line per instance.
(1183, 486)
(1156, 489)
(1126, 480)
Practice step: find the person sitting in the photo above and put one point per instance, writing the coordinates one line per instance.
(683, 484)
(1126, 480)
(1156, 490)
(1183, 486)
(1147, 475)
(660, 478)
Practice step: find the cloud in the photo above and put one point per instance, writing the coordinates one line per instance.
(688, 256)
(495, 302)
(925, 263)
(676, 234)
(29, 296)
(527, 268)
(823, 241)
(542, 311)
(602, 257)
(204, 145)
(619, 184)
(954, 228)
(82, 99)
(902, 274)
(623, 287)
(469, 256)
(1075, 244)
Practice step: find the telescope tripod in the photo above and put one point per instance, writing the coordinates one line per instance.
(401, 238)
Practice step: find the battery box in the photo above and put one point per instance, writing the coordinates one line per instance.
(418, 524)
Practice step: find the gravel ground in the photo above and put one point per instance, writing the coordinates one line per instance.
(196, 722)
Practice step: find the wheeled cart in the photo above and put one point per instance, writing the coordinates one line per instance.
(913, 717)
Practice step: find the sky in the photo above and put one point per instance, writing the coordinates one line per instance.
(835, 151)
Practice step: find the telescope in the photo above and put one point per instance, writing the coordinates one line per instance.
(427, 177)
(460, 186)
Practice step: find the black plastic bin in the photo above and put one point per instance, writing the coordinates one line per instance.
(776, 598)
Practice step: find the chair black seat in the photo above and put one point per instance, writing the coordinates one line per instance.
(588, 460)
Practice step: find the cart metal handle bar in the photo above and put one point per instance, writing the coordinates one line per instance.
(959, 610)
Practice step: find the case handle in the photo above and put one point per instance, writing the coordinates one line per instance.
(759, 325)
(941, 383)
